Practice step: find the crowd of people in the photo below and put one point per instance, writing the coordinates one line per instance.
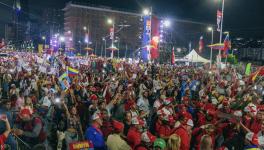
(121, 105)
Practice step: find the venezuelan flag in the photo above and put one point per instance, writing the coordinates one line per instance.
(72, 72)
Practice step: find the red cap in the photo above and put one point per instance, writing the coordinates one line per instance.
(93, 97)
(185, 98)
(118, 126)
(25, 112)
(199, 105)
(225, 102)
(129, 104)
(260, 107)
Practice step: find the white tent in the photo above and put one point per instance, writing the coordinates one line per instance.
(194, 57)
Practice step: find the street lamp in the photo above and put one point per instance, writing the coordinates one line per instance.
(210, 29)
(167, 23)
(146, 12)
(221, 30)
(44, 39)
(112, 34)
(109, 21)
(84, 28)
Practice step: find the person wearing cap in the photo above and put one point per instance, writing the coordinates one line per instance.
(159, 144)
(94, 133)
(5, 109)
(30, 128)
(184, 131)
(5, 134)
(115, 141)
(147, 141)
(134, 133)
(255, 124)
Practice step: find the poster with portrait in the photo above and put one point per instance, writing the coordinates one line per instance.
(65, 81)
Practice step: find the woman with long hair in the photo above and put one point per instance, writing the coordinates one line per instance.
(206, 142)
(174, 142)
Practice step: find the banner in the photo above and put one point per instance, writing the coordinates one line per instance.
(84, 145)
(201, 44)
(112, 33)
(155, 27)
(40, 48)
(64, 81)
(146, 39)
(219, 16)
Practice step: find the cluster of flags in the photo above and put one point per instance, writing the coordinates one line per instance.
(64, 79)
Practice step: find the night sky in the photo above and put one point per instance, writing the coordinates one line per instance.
(244, 18)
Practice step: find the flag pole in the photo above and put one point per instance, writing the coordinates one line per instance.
(221, 31)
(211, 53)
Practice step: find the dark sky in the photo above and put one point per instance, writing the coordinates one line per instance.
(243, 18)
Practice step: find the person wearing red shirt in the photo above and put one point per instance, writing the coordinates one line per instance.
(134, 133)
(197, 134)
(4, 136)
(164, 129)
(184, 131)
(255, 125)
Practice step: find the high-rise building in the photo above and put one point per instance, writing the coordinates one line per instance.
(86, 26)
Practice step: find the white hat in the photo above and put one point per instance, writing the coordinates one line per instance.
(136, 120)
(238, 113)
(190, 122)
(95, 116)
(254, 139)
(251, 108)
(147, 137)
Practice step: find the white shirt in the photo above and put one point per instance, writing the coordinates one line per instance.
(46, 101)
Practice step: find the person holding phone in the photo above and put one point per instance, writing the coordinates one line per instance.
(3, 137)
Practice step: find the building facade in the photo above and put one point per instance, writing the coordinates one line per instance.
(86, 26)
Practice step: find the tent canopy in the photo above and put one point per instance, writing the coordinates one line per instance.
(194, 57)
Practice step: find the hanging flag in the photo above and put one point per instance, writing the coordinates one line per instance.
(248, 69)
(201, 44)
(72, 72)
(227, 44)
(259, 72)
(219, 19)
(172, 57)
(111, 33)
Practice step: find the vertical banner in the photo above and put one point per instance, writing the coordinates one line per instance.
(219, 19)
(154, 49)
(40, 48)
(146, 38)
(111, 33)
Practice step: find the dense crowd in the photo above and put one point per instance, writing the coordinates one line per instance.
(121, 105)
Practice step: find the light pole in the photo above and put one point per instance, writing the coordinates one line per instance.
(112, 35)
(221, 31)
(212, 41)
(44, 39)
(104, 46)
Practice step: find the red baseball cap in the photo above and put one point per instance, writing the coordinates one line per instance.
(118, 126)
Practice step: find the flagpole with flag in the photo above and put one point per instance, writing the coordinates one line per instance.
(172, 56)
(221, 31)
(201, 44)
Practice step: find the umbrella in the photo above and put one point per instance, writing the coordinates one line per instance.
(112, 48)
(88, 49)
(72, 49)
(217, 46)
(92, 55)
